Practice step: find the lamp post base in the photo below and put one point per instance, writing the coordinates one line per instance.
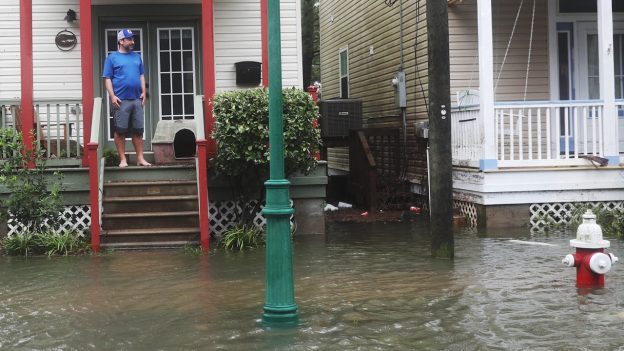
(280, 316)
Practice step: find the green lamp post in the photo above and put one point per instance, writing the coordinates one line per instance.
(279, 307)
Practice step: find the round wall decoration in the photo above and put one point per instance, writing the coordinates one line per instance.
(65, 40)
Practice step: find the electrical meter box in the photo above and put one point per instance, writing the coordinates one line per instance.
(400, 94)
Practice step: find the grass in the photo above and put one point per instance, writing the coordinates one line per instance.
(48, 243)
(242, 237)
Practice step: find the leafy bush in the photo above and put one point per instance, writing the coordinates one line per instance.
(111, 157)
(20, 244)
(610, 220)
(32, 200)
(242, 237)
(49, 243)
(242, 136)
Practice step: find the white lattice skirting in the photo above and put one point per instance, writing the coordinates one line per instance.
(75, 217)
(222, 215)
(468, 209)
(545, 215)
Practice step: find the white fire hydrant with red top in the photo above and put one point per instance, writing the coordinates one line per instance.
(590, 260)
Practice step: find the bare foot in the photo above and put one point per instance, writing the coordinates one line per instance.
(143, 163)
(123, 164)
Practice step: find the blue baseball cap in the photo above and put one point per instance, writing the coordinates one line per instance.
(124, 33)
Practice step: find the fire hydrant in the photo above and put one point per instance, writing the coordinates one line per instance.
(590, 260)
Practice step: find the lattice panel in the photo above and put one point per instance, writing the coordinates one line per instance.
(468, 209)
(223, 216)
(545, 215)
(75, 217)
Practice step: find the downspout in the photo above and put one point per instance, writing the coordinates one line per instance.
(403, 109)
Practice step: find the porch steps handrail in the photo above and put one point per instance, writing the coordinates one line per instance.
(201, 167)
(96, 175)
(546, 104)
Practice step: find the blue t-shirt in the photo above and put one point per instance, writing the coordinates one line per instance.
(124, 70)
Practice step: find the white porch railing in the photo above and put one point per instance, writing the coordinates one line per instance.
(58, 125)
(530, 134)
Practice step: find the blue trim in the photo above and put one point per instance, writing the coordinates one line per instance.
(613, 160)
(488, 164)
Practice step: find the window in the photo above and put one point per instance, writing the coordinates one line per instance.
(593, 74)
(176, 73)
(344, 73)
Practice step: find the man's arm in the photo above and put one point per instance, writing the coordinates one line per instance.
(109, 88)
(143, 94)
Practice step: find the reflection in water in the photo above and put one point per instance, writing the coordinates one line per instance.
(365, 286)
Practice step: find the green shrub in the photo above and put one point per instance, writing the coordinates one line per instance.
(21, 244)
(242, 237)
(111, 157)
(242, 136)
(49, 243)
(33, 201)
(610, 220)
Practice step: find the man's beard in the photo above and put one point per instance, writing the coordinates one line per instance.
(128, 47)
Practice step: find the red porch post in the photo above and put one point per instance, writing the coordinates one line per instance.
(264, 24)
(87, 74)
(26, 64)
(208, 62)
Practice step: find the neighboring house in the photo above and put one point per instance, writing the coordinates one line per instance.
(51, 66)
(532, 84)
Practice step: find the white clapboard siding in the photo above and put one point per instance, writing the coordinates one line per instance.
(56, 73)
(238, 38)
(464, 49)
(9, 50)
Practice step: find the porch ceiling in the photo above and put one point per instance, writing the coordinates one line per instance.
(138, 2)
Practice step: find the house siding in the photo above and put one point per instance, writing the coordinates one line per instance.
(56, 73)
(463, 36)
(358, 26)
(238, 38)
(9, 50)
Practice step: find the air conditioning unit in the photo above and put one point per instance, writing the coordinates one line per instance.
(338, 116)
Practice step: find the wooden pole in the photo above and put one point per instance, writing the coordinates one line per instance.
(440, 177)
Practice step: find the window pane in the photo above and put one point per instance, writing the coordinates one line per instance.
(177, 83)
(164, 39)
(188, 105)
(344, 88)
(166, 105)
(618, 88)
(564, 69)
(165, 83)
(618, 53)
(592, 55)
(188, 61)
(594, 87)
(177, 104)
(188, 83)
(175, 39)
(176, 61)
(187, 39)
(164, 62)
(343, 63)
(111, 41)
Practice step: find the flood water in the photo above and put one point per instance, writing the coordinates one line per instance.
(363, 287)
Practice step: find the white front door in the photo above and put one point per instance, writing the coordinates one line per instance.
(588, 84)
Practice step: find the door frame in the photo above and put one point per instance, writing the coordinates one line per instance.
(107, 15)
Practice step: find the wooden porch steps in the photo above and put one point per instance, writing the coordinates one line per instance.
(148, 207)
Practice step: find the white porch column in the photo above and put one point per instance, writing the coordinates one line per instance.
(607, 86)
(486, 86)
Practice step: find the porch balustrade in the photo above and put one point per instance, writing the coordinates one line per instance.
(58, 125)
(532, 134)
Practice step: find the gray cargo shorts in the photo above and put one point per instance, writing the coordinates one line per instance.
(129, 117)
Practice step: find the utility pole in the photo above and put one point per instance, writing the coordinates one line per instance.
(279, 307)
(440, 161)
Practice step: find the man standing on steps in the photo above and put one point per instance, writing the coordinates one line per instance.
(125, 83)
